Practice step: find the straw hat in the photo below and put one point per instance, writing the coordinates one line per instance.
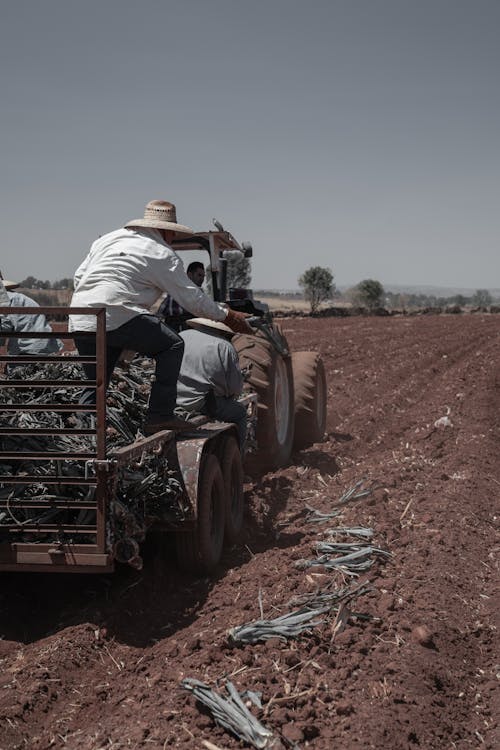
(209, 326)
(9, 284)
(160, 215)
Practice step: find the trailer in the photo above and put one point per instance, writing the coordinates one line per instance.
(71, 503)
(70, 500)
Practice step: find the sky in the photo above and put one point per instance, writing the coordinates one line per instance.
(357, 135)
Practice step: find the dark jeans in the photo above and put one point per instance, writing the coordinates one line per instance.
(147, 335)
(228, 410)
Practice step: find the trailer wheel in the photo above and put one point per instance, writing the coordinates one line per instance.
(199, 550)
(232, 472)
(272, 380)
(310, 398)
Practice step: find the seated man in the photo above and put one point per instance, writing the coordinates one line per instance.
(170, 312)
(210, 378)
(25, 323)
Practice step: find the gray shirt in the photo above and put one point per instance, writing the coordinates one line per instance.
(22, 323)
(210, 362)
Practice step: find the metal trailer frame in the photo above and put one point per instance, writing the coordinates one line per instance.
(101, 470)
(58, 556)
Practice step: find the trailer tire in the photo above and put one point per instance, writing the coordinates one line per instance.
(199, 550)
(272, 380)
(310, 398)
(232, 472)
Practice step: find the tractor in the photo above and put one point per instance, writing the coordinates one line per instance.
(70, 501)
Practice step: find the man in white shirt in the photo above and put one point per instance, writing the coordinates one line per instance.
(126, 271)
(210, 379)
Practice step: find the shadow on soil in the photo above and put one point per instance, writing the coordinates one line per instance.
(316, 459)
(136, 607)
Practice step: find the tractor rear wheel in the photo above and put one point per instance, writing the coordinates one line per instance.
(232, 472)
(199, 550)
(310, 398)
(272, 379)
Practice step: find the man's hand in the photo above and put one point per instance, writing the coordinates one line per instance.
(237, 323)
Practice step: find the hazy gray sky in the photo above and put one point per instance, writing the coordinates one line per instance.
(362, 135)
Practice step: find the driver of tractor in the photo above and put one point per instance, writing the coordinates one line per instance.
(170, 312)
(210, 378)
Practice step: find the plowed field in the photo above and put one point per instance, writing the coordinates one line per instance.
(414, 411)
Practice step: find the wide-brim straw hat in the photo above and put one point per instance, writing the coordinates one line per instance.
(160, 215)
(10, 284)
(209, 326)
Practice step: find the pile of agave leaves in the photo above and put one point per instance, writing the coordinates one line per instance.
(145, 490)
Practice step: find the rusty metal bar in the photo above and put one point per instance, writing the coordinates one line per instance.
(47, 456)
(70, 548)
(27, 359)
(53, 528)
(49, 504)
(101, 384)
(56, 311)
(102, 489)
(44, 334)
(41, 479)
(154, 443)
(42, 557)
(47, 407)
(51, 383)
(56, 555)
(45, 431)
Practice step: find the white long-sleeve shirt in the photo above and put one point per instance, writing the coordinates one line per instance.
(210, 363)
(126, 271)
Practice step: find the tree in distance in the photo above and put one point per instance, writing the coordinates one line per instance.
(239, 272)
(318, 286)
(369, 293)
(482, 298)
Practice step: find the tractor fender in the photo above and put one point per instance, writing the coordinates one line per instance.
(190, 451)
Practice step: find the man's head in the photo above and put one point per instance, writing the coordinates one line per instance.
(161, 215)
(196, 272)
(213, 327)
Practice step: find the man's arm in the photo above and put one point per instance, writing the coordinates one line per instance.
(233, 375)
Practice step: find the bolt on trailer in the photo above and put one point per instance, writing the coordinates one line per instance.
(80, 487)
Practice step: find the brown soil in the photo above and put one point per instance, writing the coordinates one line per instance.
(95, 662)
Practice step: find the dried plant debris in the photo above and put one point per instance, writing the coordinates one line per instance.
(357, 491)
(232, 713)
(319, 605)
(331, 599)
(145, 492)
(352, 563)
(345, 547)
(359, 531)
(284, 627)
(317, 516)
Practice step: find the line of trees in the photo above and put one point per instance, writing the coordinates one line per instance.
(318, 287)
(398, 300)
(32, 283)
